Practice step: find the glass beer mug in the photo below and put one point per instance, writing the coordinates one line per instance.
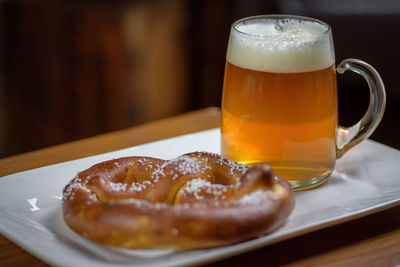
(279, 101)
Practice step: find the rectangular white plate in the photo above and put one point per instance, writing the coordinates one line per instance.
(365, 181)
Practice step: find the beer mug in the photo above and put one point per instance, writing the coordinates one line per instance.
(279, 100)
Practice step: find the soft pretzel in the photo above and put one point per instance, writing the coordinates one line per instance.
(196, 200)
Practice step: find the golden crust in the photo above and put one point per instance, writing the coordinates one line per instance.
(197, 200)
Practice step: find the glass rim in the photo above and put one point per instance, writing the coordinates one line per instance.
(281, 16)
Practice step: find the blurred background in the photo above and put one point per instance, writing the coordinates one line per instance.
(74, 69)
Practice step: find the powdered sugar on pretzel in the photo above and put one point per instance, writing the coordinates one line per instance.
(196, 200)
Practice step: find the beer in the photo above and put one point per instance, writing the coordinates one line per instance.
(279, 103)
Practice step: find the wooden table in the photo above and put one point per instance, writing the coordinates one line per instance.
(373, 240)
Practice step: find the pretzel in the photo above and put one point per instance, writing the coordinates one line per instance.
(197, 200)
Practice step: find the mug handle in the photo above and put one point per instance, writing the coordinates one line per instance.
(349, 137)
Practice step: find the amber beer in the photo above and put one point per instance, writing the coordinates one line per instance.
(279, 103)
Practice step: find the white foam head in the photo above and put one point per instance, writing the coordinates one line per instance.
(285, 45)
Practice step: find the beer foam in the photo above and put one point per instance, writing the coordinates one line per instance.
(280, 45)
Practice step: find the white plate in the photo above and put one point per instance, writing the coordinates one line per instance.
(365, 181)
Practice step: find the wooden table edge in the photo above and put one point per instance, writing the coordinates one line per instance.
(206, 118)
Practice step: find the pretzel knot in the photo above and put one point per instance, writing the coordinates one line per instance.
(196, 200)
